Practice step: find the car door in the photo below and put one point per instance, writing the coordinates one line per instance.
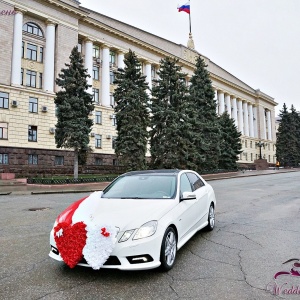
(201, 205)
(187, 209)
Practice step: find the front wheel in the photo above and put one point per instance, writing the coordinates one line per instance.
(168, 249)
(211, 218)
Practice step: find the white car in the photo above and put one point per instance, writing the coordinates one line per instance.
(138, 222)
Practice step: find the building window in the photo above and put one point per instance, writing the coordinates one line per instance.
(41, 80)
(32, 133)
(246, 144)
(250, 144)
(246, 156)
(3, 159)
(59, 160)
(112, 100)
(23, 49)
(98, 161)
(268, 146)
(31, 52)
(96, 95)
(41, 54)
(33, 29)
(113, 142)
(95, 72)
(98, 140)
(3, 131)
(22, 76)
(251, 156)
(4, 100)
(153, 72)
(96, 51)
(98, 117)
(269, 158)
(115, 162)
(31, 78)
(256, 156)
(33, 105)
(112, 58)
(114, 121)
(32, 159)
(112, 77)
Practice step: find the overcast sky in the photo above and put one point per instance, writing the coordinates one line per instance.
(255, 40)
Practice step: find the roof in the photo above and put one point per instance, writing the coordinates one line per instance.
(152, 172)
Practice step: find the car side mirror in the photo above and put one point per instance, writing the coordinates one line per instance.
(188, 196)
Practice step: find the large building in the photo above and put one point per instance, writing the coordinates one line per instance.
(37, 37)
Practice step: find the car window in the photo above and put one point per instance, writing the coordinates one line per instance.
(195, 181)
(185, 185)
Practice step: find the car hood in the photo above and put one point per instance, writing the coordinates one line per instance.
(122, 213)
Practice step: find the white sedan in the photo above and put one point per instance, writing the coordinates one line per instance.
(138, 222)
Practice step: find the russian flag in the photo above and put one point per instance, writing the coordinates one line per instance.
(185, 8)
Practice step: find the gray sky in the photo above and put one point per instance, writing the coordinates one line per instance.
(255, 40)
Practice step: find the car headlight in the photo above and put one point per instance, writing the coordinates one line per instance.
(146, 230)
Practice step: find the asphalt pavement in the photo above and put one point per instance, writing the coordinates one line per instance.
(20, 187)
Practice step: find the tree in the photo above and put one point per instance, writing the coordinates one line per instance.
(205, 120)
(171, 130)
(132, 114)
(288, 138)
(230, 143)
(74, 105)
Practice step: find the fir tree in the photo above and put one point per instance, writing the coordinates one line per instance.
(230, 143)
(207, 131)
(287, 144)
(74, 105)
(171, 131)
(132, 114)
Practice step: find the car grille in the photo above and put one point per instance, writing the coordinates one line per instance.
(111, 261)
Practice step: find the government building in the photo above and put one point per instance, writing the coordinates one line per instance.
(37, 37)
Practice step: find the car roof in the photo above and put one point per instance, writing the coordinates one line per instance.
(153, 172)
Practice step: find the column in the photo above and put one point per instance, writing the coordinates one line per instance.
(240, 116)
(105, 85)
(17, 47)
(221, 102)
(246, 121)
(269, 125)
(228, 104)
(234, 111)
(251, 126)
(120, 60)
(49, 57)
(255, 121)
(264, 133)
(88, 62)
(217, 103)
(148, 75)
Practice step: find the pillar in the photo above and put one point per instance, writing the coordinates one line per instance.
(246, 121)
(228, 104)
(251, 126)
(234, 111)
(105, 85)
(221, 102)
(88, 62)
(240, 116)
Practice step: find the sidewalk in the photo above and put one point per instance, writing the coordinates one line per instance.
(16, 187)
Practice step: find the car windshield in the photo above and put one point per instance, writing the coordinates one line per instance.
(142, 187)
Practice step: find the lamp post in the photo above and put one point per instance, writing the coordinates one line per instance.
(260, 144)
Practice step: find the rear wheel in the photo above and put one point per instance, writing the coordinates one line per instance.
(211, 218)
(168, 249)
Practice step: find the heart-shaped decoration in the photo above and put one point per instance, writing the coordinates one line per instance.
(70, 240)
(99, 244)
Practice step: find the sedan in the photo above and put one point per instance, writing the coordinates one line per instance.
(137, 222)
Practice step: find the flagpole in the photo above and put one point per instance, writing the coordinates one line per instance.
(190, 18)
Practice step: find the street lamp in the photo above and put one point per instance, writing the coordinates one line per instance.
(260, 144)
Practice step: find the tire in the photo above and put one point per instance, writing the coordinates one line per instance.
(168, 249)
(211, 218)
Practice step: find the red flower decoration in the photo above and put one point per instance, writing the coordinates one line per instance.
(104, 232)
(70, 240)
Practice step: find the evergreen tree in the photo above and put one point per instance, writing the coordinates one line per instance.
(74, 105)
(288, 144)
(230, 143)
(132, 114)
(205, 120)
(171, 131)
